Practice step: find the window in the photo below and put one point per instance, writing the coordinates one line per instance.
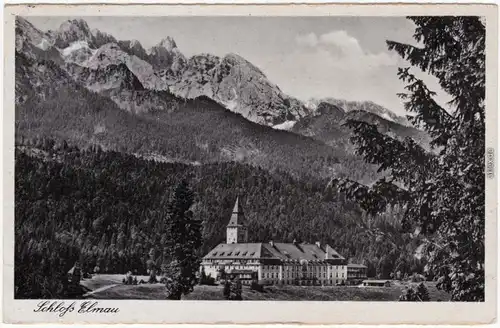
(222, 253)
(229, 254)
(214, 254)
(245, 253)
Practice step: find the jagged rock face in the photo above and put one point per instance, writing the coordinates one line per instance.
(239, 86)
(71, 31)
(27, 35)
(112, 54)
(244, 87)
(196, 79)
(327, 108)
(133, 47)
(78, 52)
(117, 82)
(231, 81)
(367, 106)
(34, 43)
(168, 43)
(110, 77)
(35, 79)
(101, 38)
(165, 55)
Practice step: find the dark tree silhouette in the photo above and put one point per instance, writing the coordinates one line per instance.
(442, 191)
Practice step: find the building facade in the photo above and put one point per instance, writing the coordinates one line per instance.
(356, 273)
(273, 263)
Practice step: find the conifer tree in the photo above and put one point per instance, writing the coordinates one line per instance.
(184, 241)
(442, 190)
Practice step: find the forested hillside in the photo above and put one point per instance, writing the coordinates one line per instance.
(198, 130)
(110, 207)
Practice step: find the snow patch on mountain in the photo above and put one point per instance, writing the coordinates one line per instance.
(287, 125)
(44, 44)
(74, 46)
(367, 106)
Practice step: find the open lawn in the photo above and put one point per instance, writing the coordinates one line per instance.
(271, 293)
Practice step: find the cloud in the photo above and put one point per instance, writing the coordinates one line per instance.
(335, 64)
(308, 40)
(341, 50)
(346, 43)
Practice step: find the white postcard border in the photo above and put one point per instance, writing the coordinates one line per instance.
(254, 312)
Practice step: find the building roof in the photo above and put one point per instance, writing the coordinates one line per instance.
(307, 252)
(275, 251)
(237, 216)
(236, 251)
(354, 265)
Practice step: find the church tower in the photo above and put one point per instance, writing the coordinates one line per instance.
(236, 231)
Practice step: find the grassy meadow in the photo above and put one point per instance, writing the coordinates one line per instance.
(111, 287)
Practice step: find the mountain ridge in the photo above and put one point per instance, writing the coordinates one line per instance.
(207, 98)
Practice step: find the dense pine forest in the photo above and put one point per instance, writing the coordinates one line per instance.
(107, 209)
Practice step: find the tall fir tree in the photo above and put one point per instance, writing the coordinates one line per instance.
(442, 190)
(184, 242)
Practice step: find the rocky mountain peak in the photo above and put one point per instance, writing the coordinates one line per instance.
(233, 59)
(26, 34)
(71, 31)
(164, 54)
(168, 43)
(133, 47)
(101, 38)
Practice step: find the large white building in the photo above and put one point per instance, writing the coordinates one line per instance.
(271, 262)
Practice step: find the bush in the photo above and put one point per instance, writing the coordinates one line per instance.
(256, 286)
(415, 294)
(415, 277)
(207, 280)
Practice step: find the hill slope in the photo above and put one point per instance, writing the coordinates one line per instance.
(327, 125)
(182, 130)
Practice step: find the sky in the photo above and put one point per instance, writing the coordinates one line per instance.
(340, 57)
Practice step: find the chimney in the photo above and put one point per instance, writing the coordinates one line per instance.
(318, 244)
(295, 242)
(271, 243)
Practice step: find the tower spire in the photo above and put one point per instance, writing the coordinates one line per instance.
(237, 216)
(236, 231)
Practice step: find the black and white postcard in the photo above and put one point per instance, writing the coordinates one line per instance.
(250, 164)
